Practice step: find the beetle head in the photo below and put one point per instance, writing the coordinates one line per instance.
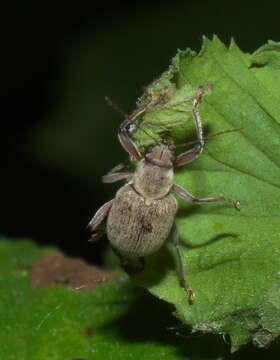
(160, 155)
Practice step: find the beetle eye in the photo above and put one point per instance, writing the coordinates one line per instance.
(149, 148)
(173, 158)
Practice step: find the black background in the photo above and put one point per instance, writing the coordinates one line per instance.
(132, 43)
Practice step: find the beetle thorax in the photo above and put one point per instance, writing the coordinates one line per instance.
(153, 177)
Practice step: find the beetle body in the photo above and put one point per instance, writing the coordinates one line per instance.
(143, 211)
(137, 229)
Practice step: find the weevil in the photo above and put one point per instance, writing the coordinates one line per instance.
(141, 216)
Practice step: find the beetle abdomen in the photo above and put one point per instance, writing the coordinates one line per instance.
(136, 229)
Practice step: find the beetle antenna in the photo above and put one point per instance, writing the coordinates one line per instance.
(222, 132)
(115, 106)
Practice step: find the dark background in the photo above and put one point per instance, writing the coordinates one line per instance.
(58, 61)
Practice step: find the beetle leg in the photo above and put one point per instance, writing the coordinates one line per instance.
(190, 155)
(130, 119)
(96, 235)
(184, 284)
(98, 218)
(111, 178)
(116, 175)
(117, 168)
(128, 144)
(123, 135)
(184, 194)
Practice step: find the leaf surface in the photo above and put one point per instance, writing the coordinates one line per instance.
(115, 321)
(231, 258)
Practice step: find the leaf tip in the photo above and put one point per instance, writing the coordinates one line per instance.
(216, 40)
(205, 43)
(232, 43)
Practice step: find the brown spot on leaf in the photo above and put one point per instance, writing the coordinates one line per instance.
(64, 270)
(21, 339)
(89, 332)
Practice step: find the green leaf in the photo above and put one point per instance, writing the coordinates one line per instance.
(115, 321)
(231, 258)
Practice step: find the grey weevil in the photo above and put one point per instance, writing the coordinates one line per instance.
(141, 216)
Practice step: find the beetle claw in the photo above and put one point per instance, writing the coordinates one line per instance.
(191, 295)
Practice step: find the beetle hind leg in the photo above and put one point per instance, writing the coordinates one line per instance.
(182, 276)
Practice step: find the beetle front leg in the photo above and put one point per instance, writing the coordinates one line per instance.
(184, 284)
(185, 195)
(99, 216)
(128, 144)
(123, 136)
(193, 153)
